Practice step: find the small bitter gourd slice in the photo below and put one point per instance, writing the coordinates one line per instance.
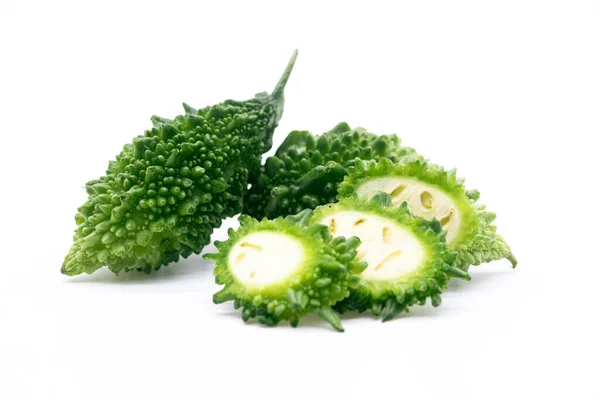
(432, 192)
(307, 169)
(407, 257)
(284, 268)
(168, 189)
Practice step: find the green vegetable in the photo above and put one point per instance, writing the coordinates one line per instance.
(307, 170)
(432, 192)
(166, 192)
(285, 268)
(407, 257)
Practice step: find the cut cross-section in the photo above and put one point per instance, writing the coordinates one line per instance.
(264, 258)
(407, 258)
(431, 192)
(391, 250)
(284, 268)
(423, 199)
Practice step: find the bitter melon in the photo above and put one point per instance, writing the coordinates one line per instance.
(168, 189)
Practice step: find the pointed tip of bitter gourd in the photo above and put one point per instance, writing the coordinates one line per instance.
(512, 260)
(277, 96)
(279, 88)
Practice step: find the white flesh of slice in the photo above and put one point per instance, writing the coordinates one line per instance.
(390, 250)
(264, 258)
(424, 200)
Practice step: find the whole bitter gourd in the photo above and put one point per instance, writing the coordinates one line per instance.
(407, 257)
(168, 189)
(307, 170)
(432, 192)
(284, 268)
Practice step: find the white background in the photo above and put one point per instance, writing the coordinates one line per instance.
(508, 92)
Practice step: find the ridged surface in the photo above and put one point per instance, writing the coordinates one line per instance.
(170, 188)
(307, 169)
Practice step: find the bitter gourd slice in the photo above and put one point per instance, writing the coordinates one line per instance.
(407, 257)
(284, 268)
(432, 192)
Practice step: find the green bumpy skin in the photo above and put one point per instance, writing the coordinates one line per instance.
(307, 170)
(389, 297)
(324, 277)
(476, 241)
(168, 189)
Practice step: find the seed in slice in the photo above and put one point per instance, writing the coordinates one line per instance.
(397, 191)
(393, 254)
(359, 221)
(426, 199)
(332, 226)
(239, 258)
(386, 234)
(446, 218)
(252, 246)
(299, 269)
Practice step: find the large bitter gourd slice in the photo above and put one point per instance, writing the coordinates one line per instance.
(407, 257)
(307, 169)
(284, 268)
(168, 189)
(432, 192)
